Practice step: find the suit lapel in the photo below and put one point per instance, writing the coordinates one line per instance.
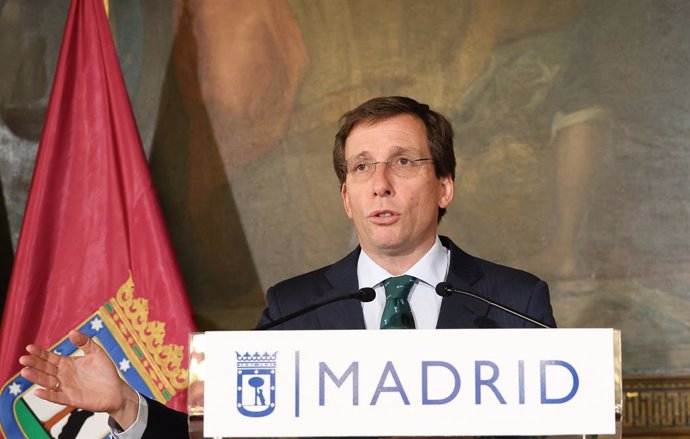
(459, 311)
(346, 314)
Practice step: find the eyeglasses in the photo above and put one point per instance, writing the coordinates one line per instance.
(403, 167)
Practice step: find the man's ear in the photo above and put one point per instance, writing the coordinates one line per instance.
(446, 191)
(346, 200)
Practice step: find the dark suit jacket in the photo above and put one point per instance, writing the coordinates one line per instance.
(513, 288)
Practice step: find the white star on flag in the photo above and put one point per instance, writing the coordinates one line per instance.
(96, 324)
(15, 389)
(124, 365)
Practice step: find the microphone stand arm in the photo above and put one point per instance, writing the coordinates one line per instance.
(499, 306)
(300, 312)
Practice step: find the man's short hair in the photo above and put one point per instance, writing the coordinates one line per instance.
(439, 132)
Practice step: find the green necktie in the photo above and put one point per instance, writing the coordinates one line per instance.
(397, 313)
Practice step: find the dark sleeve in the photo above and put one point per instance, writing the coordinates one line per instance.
(539, 305)
(165, 423)
(271, 312)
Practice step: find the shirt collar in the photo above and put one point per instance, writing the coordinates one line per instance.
(431, 269)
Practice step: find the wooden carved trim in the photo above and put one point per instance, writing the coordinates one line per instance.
(656, 407)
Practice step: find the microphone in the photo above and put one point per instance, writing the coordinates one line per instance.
(363, 295)
(444, 289)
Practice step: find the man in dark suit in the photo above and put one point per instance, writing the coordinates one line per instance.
(395, 161)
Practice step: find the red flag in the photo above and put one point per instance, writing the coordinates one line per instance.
(93, 252)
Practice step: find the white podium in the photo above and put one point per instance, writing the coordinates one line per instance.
(470, 382)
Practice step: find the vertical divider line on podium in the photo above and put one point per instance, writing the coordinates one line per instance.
(297, 384)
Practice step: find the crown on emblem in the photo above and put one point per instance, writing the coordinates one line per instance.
(162, 362)
(256, 359)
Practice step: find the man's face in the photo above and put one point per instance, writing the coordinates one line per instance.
(394, 215)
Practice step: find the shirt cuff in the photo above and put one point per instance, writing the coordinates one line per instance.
(136, 430)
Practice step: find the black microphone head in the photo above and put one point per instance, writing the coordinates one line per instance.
(367, 294)
(443, 289)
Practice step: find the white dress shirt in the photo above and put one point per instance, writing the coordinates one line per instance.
(136, 430)
(431, 269)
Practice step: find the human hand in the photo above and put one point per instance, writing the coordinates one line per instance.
(90, 382)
